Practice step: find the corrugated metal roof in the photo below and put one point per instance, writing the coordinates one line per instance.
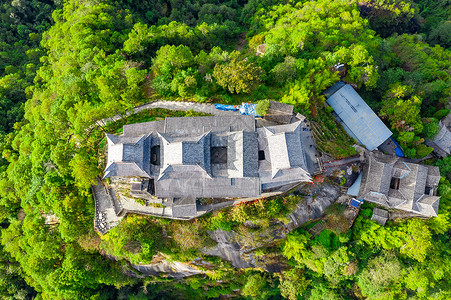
(359, 118)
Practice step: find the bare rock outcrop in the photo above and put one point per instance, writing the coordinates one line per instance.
(241, 255)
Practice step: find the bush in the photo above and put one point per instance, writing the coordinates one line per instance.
(222, 222)
(239, 213)
(430, 127)
(441, 113)
(423, 150)
(262, 107)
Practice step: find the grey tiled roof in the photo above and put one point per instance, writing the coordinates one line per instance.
(198, 125)
(184, 207)
(281, 107)
(185, 167)
(413, 179)
(279, 112)
(443, 138)
(217, 187)
(379, 219)
(190, 151)
(429, 205)
(242, 156)
(285, 148)
(380, 212)
(127, 156)
(380, 216)
(143, 128)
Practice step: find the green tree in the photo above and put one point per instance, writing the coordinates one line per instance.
(293, 284)
(238, 76)
(381, 277)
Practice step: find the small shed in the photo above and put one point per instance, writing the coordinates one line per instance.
(442, 140)
(279, 112)
(380, 216)
(184, 207)
(354, 203)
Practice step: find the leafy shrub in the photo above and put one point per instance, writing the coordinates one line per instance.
(430, 127)
(262, 107)
(423, 150)
(239, 213)
(441, 113)
(222, 222)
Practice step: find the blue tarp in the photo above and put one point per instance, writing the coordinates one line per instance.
(248, 109)
(227, 107)
(398, 149)
(245, 108)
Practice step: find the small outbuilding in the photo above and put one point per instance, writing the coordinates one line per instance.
(357, 118)
(442, 141)
(279, 112)
(380, 216)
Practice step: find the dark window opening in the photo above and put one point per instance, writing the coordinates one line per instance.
(151, 187)
(261, 155)
(394, 184)
(427, 190)
(143, 188)
(218, 155)
(155, 155)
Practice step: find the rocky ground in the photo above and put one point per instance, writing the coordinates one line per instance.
(240, 251)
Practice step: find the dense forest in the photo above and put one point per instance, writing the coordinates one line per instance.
(66, 64)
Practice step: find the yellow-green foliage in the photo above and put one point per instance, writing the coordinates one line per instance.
(134, 239)
(238, 76)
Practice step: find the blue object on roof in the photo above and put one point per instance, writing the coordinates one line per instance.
(248, 109)
(358, 118)
(354, 203)
(354, 189)
(398, 149)
(226, 107)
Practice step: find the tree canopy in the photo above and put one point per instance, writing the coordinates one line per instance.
(64, 65)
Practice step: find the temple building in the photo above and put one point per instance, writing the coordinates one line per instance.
(395, 182)
(442, 141)
(184, 159)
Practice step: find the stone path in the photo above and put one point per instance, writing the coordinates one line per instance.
(172, 105)
(105, 216)
(172, 269)
(347, 160)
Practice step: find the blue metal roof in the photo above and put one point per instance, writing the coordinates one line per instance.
(354, 203)
(398, 149)
(358, 118)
